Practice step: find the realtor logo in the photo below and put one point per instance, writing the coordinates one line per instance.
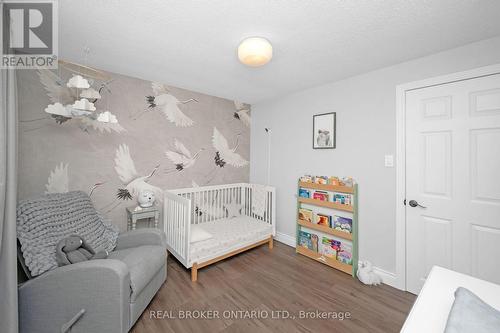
(29, 34)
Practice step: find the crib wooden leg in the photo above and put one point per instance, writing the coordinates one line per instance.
(271, 243)
(194, 272)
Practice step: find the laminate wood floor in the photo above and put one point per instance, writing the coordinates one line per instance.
(267, 282)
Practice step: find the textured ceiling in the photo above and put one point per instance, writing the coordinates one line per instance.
(192, 44)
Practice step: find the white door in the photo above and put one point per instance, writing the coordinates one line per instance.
(453, 170)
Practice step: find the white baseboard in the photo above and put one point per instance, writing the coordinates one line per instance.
(285, 239)
(388, 278)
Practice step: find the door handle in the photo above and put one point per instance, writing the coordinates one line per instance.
(414, 203)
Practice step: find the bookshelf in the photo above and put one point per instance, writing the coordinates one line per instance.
(327, 230)
(327, 187)
(327, 204)
(333, 208)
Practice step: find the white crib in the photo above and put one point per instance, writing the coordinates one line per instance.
(206, 207)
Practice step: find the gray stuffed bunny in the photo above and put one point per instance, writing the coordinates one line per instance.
(73, 249)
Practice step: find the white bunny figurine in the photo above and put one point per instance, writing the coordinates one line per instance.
(366, 274)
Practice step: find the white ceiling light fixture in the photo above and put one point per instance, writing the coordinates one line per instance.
(255, 51)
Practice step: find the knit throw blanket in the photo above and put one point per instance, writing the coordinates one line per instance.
(42, 222)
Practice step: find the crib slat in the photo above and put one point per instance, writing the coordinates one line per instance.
(205, 204)
(202, 211)
(212, 205)
(223, 200)
(219, 200)
(207, 207)
(247, 201)
(209, 210)
(197, 200)
(247, 205)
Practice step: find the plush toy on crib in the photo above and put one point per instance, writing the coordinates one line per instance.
(366, 274)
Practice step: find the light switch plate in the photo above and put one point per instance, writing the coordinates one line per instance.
(389, 161)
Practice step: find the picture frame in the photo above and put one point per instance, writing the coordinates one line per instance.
(324, 130)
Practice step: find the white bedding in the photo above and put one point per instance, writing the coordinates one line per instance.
(229, 235)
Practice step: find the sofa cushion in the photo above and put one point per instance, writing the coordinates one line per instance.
(470, 313)
(143, 263)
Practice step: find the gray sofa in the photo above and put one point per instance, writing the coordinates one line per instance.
(104, 295)
(112, 292)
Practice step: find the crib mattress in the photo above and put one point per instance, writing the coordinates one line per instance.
(229, 235)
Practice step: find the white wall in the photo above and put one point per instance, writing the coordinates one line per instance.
(366, 130)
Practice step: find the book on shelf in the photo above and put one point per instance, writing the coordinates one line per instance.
(305, 239)
(336, 245)
(345, 253)
(336, 249)
(314, 241)
(322, 219)
(308, 240)
(332, 180)
(347, 181)
(321, 180)
(327, 249)
(306, 215)
(342, 223)
(303, 193)
(341, 198)
(321, 195)
(306, 179)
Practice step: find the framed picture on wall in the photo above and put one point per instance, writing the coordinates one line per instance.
(324, 128)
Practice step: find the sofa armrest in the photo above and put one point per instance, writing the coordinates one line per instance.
(146, 236)
(101, 288)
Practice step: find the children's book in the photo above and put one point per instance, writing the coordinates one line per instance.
(342, 223)
(320, 195)
(314, 241)
(305, 240)
(303, 193)
(345, 253)
(344, 199)
(336, 245)
(347, 181)
(333, 181)
(345, 257)
(322, 219)
(306, 215)
(346, 247)
(321, 180)
(306, 179)
(327, 248)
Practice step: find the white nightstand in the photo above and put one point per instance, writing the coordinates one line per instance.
(134, 214)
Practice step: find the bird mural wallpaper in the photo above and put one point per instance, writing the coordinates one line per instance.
(169, 105)
(181, 157)
(224, 154)
(132, 181)
(242, 112)
(116, 136)
(58, 181)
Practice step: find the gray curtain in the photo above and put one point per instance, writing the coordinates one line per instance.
(8, 194)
